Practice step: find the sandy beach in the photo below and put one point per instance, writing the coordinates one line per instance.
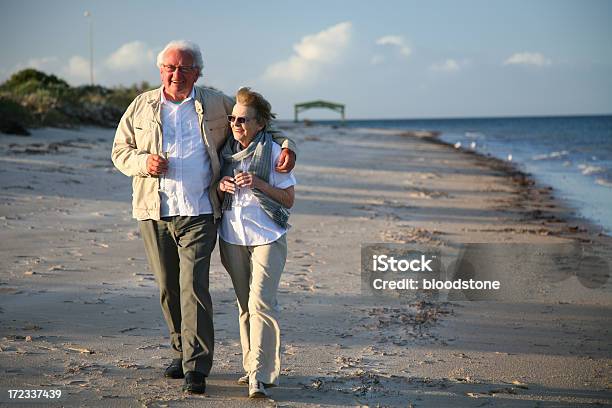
(79, 308)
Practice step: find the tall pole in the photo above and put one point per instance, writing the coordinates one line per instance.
(91, 63)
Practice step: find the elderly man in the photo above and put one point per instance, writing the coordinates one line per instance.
(169, 140)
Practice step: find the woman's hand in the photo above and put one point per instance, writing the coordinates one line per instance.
(226, 185)
(284, 196)
(247, 180)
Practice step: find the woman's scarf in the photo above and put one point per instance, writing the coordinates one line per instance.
(260, 149)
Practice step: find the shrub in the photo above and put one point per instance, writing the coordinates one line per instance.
(13, 117)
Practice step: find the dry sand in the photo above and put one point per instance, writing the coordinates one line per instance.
(79, 308)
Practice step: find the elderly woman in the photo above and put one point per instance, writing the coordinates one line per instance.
(252, 237)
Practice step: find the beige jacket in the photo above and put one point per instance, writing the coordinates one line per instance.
(140, 133)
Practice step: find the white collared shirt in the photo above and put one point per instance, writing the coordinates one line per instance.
(246, 223)
(184, 188)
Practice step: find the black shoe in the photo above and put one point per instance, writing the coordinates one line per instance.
(195, 382)
(175, 369)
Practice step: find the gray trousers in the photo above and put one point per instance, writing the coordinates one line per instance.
(179, 249)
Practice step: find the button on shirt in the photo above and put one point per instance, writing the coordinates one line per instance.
(246, 223)
(183, 189)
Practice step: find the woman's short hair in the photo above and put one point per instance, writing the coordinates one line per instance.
(182, 45)
(263, 109)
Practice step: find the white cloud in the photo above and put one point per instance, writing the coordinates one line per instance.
(43, 63)
(312, 53)
(132, 55)
(395, 41)
(449, 65)
(528, 58)
(77, 69)
(134, 60)
(377, 60)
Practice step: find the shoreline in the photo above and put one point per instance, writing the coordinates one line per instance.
(510, 168)
(80, 310)
(529, 181)
(574, 162)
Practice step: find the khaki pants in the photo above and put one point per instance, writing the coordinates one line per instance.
(255, 273)
(178, 249)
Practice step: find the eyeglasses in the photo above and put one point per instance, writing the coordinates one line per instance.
(238, 119)
(185, 69)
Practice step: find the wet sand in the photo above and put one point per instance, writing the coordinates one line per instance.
(79, 308)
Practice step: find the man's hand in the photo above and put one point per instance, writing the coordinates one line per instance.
(156, 165)
(286, 161)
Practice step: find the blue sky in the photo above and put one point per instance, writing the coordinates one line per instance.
(387, 59)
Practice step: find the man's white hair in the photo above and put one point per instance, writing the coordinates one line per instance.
(183, 45)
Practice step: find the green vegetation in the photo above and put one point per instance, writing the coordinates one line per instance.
(31, 98)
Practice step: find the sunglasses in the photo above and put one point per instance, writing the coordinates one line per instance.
(185, 69)
(238, 119)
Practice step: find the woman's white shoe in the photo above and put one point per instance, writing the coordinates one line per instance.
(257, 389)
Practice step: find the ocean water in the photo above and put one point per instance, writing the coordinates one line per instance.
(572, 154)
